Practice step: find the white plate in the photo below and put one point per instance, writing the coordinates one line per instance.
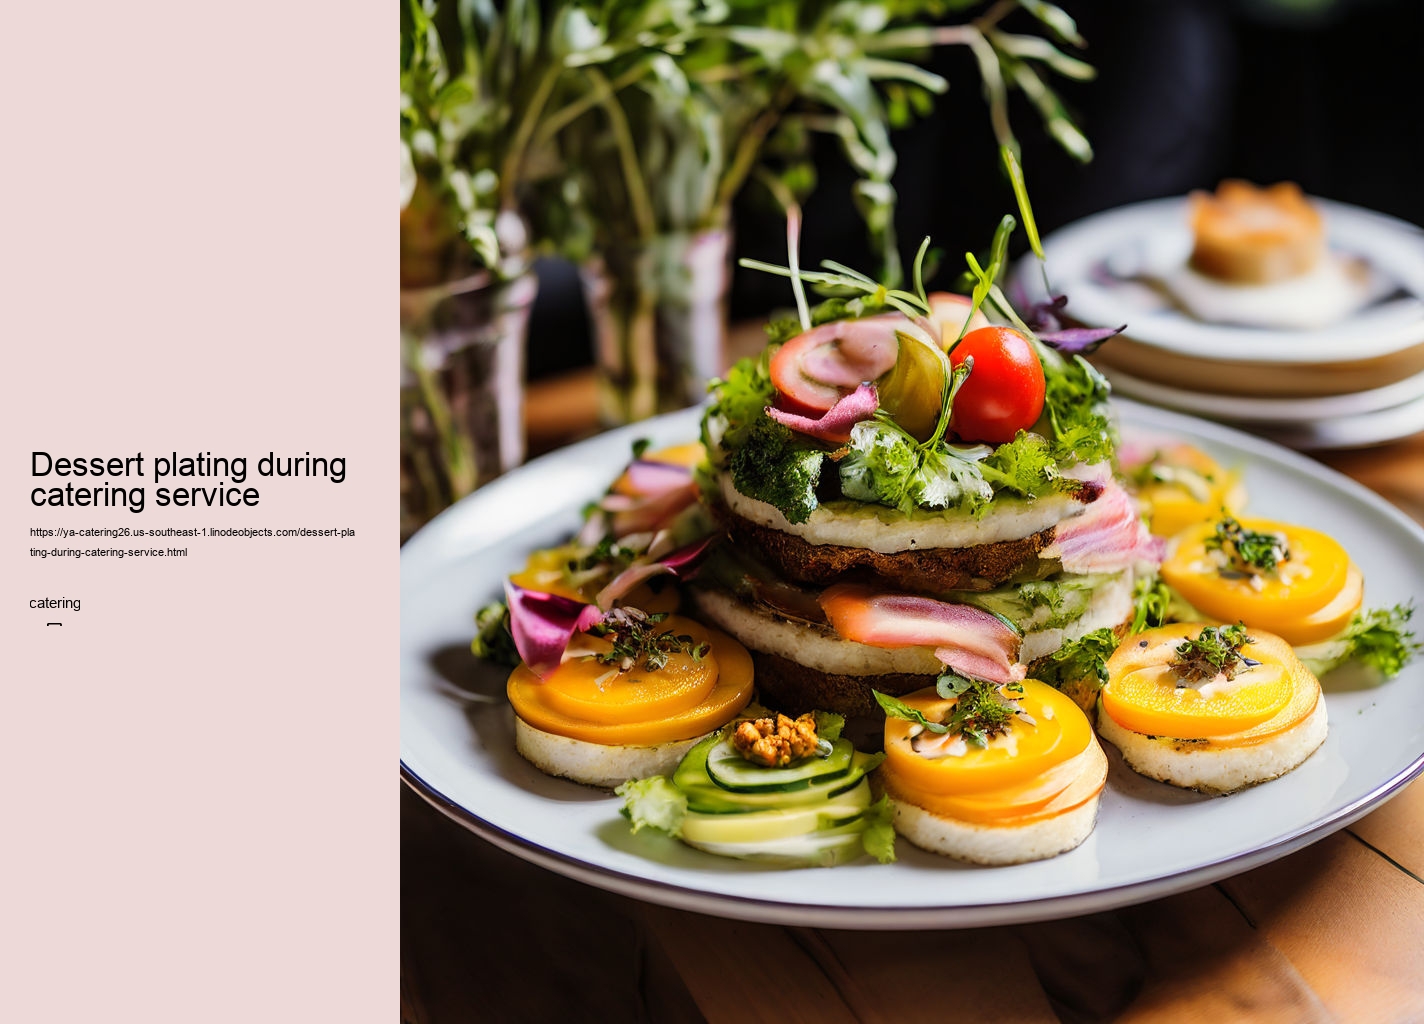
(1090, 261)
(457, 737)
(1351, 420)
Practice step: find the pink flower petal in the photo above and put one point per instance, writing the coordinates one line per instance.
(835, 424)
(543, 625)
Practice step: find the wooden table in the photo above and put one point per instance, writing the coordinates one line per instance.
(1334, 932)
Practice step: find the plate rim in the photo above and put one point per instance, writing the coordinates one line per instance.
(970, 915)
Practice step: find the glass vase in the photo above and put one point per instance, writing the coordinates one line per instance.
(462, 389)
(659, 315)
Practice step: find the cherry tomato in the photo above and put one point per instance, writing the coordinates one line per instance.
(1004, 392)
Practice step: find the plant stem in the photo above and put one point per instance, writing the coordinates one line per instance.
(638, 198)
(750, 146)
(994, 89)
(571, 112)
(514, 157)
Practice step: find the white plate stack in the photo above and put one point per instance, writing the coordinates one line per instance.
(1355, 382)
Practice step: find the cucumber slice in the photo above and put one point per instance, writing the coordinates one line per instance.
(765, 826)
(824, 848)
(729, 769)
(707, 797)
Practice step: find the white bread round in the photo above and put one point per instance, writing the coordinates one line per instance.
(596, 764)
(887, 530)
(1216, 771)
(1001, 844)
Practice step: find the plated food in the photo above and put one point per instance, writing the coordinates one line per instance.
(957, 571)
(992, 775)
(1329, 357)
(1260, 258)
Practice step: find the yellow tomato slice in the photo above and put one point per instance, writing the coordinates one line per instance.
(585, 688)
(1010, 801)
(1023, 752)
(1022, 805)
(1335, 616)
(1303, 584)
(1305, 694)
(544, 573)
(729, 693)
(1202, 491)
(1142, 694)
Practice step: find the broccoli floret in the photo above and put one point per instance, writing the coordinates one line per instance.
(771, 466)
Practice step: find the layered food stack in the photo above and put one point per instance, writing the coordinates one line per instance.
(902, 501)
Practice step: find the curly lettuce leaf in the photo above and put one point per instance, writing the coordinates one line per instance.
(739, 402)
(885, 465)
(654, 803)
(1065, 597)
(1380, 640)
(1082, 660)
(829, 725)
(773, 465)
(1075, 404)
(1024, 465)
(879, 835)
(493, 640)
(1151, 604)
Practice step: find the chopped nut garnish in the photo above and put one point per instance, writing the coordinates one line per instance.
(776, 743)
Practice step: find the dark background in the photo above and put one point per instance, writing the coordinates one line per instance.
(1326, 93)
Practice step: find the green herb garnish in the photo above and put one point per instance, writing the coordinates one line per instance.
(1075, 402)
(633, 638)
(1381, 640)
(1082, 660)
(982, 710)
(493, 639)
(879, 835)
(1150, 598)
(1216, 651)
(895, 708)
(1247, 550)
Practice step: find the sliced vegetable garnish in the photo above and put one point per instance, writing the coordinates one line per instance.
(814, 370)
(680, 563)
(645, 478)
(543, 624)
(835, 423)
(981, 643)
(638, 514)
(1108, 535)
